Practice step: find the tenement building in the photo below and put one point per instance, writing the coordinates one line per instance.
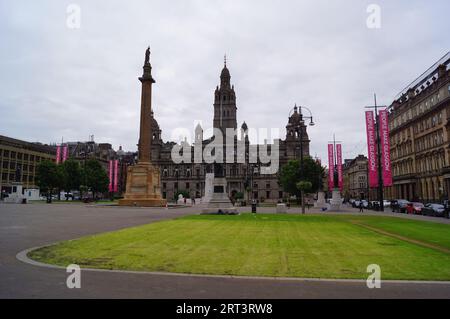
(419, 123)
(18, 161)
(355, 178)
(244, 178)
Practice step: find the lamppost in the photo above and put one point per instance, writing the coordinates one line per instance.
(300, 134)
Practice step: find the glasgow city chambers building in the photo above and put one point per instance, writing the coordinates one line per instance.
(245, 178)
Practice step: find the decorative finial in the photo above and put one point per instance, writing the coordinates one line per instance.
(225, 60)
(147, 55)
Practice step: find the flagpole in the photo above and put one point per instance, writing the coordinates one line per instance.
(379, 167)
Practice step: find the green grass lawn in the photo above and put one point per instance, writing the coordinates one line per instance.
(315, 246)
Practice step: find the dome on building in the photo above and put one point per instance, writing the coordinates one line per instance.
(296, 116)
(155, 125)
(225, 72)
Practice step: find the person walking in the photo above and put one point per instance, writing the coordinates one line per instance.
(361, 207)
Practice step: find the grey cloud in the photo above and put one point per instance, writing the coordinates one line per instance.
(60, 82)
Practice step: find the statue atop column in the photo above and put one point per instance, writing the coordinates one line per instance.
(147, 56)
(218, 170)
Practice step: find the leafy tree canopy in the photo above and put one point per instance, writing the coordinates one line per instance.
(290, 175)
(48, 176)
(71, 173)
(96, 177)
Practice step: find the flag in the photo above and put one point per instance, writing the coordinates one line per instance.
(371, 150)
(330, 167)
(383, 116)
(339, 166)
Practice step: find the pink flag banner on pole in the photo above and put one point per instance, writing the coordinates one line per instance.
(65, 151)
(116, 169)
(385, 148)
(110, 187)
(339, 166)
(330, 167)
(58, 154)
(371, 150)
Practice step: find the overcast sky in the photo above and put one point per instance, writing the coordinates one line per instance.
(58, 82)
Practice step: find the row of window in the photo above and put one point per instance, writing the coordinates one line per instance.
(417, 110)
(428, 123)
(400, 151)
(187, 185)
(198, 185)
(13, 166)
(20, 156)
(431, 140)
(11, 177)
(427, 164)
(232, 171)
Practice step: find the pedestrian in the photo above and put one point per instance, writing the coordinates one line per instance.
(410, 208)
(361, 207)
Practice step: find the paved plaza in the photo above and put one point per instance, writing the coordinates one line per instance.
(32, 225)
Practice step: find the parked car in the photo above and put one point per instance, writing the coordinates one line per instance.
(374, 204)
(434, 210)
(365, 203)
(417, 208)
(386, 203)
(356, 203)
(401, 205)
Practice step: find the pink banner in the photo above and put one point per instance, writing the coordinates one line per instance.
(339, 166)
(383, 116)
(116, 169)
(65, 151)
(330, 167)
(110, 187)
(371, 150)
(58, 154)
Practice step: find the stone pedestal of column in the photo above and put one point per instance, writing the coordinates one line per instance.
(219, 203)
(336, 200)
(320, 202)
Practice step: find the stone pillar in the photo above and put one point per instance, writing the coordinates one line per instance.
(336, 201)
(320, 200)
(143, 179)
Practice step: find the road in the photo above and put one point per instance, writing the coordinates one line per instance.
(26, 226)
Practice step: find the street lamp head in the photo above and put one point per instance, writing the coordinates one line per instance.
(311, 123)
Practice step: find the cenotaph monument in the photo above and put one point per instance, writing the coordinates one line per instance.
(209, 178)
(143, 179)
(219, 203)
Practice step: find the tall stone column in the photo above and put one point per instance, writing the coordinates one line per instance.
(143, 179)
(144, 145)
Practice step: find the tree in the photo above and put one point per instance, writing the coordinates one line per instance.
(290, 175)
(183, 192)
(304, 187)
(48, 177)
(96, 177)
(71, 173)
